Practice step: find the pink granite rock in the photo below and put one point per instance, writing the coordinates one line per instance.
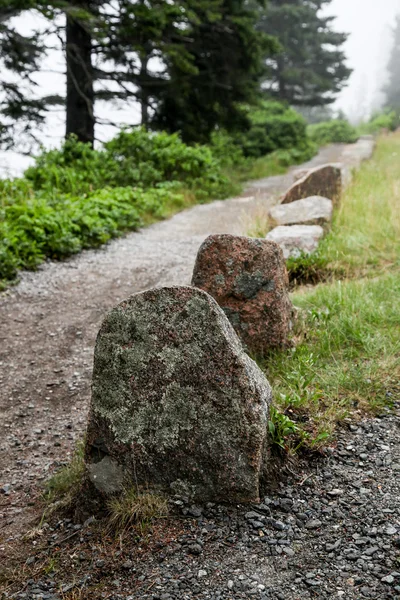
(248, 279)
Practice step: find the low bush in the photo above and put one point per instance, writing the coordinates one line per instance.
(274, 126)
(380, 122)
(39, 225)
(337, 131)
(133, 158)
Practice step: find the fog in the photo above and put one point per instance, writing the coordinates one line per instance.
(369, 23)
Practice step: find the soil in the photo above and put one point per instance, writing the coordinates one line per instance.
(49, 323)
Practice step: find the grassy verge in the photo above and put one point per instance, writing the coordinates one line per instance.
(276, 163)
(347, 356)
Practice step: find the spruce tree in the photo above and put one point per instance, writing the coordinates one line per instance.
(208, 58)
(226, 54)
(20, 112)
(310, 68)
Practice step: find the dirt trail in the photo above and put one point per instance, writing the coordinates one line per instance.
(50, 320)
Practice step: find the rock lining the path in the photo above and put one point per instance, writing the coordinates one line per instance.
(248, 279)
(296, 239)
(325, 180)
(176, 402)
(315, 210)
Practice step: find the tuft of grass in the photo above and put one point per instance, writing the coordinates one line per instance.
(135, 509)
(307, 268)
(64, 484)
(258, 225)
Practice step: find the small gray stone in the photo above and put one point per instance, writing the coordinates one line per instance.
(278, 525)
(315, 210)
(195, 549)
(201, 574)
(106, 475)
(313, 524)
(295, 239)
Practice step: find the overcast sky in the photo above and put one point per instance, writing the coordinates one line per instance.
(369, 23)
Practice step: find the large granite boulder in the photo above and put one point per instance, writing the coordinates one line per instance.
(315, 210)
(176, 402)
(325, 180)
(296, 239)
(248, 279)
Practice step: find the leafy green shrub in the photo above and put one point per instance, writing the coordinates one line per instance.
(133, 158)
(56, 225)
(226, 149)
(379, 122)
(274, 126)
(336, 131)
(281, 428)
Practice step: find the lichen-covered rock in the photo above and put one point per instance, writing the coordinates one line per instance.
(315, 210)
(248, 279)
(296, 239)
(325, 180)
(176, 402)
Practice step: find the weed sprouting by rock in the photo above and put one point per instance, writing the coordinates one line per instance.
(133, 508)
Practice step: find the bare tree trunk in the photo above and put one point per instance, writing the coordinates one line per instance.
(80, 93)
(144, 96)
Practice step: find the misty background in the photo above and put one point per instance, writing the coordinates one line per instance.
(369, 23)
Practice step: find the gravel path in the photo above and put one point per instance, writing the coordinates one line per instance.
(332, 531)
(50, 320)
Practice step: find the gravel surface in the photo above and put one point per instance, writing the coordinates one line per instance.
(304, 543)
(330, 531)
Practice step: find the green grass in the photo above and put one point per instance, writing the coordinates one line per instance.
(135, 509)
(346, 359)
(275, 163)
(365, 239)
(65, 483)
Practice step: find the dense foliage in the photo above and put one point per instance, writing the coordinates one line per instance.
(274, 126)
(227, 54)
(208, 53)
(77, 197)
(333, 132)
(133, 158)
(36, 225)
(20, 111)
(386, 121)
(310, 69)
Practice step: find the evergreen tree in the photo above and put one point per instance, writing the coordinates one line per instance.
(208, 59)
(392, 89)
(226, 53)
(20, 111)
(310, 69)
